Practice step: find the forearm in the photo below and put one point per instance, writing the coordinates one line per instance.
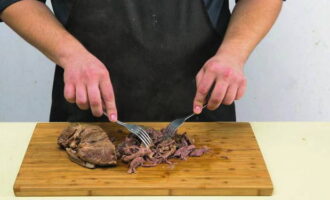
(33, 21)
(87, 80)
(249, 23)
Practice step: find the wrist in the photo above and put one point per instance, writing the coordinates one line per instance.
(236, 53)
(69, 52)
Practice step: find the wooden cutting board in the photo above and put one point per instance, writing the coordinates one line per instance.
(234, 166)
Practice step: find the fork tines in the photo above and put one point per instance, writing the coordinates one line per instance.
(144, 137)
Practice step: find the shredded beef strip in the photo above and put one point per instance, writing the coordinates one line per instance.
(90, 146)
(132, 151)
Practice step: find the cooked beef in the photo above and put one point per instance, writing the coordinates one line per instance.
(184, 152)
(131, 150)
(136, 162)
(143, 151)
(88, 146)
(198, 152)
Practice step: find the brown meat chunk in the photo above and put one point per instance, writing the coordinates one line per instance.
(88, 146)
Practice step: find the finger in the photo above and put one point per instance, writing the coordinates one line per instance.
(70, 93)
(94, 98)
(81, 97)
(241, 91)
(202, 90)
(109, 99)
(199, 77)
(217, 95)
(230, 95)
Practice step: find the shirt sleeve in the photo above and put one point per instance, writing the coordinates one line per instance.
(5, 3)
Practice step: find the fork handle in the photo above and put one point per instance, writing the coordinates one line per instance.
(193, 114)
(121, 123)
(186, 118)
(118, 122)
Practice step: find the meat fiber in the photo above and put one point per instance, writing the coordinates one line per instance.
(88, 146)
(133, 152)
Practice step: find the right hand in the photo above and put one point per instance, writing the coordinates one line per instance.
(87, 83)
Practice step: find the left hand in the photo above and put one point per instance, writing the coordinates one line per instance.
(226, 73)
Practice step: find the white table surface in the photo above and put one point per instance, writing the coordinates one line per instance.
(297, 155)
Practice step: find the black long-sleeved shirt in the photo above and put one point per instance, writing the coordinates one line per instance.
(62, 9)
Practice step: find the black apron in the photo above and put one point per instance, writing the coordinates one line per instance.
(153, 50)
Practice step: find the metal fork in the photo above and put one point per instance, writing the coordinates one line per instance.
(139, 131)
(174, 125)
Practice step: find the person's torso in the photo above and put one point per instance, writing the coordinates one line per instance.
(153, 51)
(214, 8)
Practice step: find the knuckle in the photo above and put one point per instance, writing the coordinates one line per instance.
(108, 101)
(213, 67)
(234, 77)
(94, 103)
(107, 98)
(227, 72)
(93, 74)
(87, 70)
(105, 73)
(240, 79)
(90, 71)
(99, 75)
(202, 90)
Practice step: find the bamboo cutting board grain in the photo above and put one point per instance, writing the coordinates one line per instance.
(234, 166)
